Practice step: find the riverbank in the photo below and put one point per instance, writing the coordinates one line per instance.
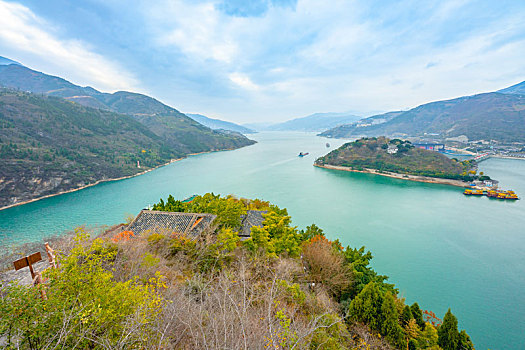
(90, 185)
(432, 180)
(109, 180)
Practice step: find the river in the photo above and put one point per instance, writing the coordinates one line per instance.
(441, 248)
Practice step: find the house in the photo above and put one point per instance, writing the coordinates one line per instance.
(252, 218)
(392, 149)
(431, 146)
(191, 224)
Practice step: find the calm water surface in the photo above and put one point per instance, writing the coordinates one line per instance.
(440, 248)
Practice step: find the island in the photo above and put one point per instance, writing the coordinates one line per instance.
(400, 159)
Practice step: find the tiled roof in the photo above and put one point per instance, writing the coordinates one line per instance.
(252, 218)
(188, 223)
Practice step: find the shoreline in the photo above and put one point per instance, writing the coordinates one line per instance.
(415, 178)
(110, 180)
(506, 157)
(90, 185)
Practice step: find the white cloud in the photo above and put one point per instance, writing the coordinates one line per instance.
(25, 35)
(345, 55)
(243, 81)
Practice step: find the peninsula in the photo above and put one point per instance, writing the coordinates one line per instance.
(399, 159)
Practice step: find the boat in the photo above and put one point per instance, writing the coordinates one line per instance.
(301, 154)
(502, 194)
(469, 192)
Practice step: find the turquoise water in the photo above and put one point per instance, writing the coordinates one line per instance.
(441, 248)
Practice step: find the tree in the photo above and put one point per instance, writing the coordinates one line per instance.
(428, 337)
(326, 265)
(406, 316)
(366, 306)
(418, 315)
(464, 341)
(359, 260)
(390, 327)
(448, 335)
(311, 231)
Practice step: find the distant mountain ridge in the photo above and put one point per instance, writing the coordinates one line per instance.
(489, 116)
(218, 124)
(315, 122)
(6, 61)
(518, 89)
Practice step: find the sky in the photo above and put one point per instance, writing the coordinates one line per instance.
(273, 60)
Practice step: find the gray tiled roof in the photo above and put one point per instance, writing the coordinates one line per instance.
(252, 218)
(188, 223)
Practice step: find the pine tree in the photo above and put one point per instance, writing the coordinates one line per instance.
(418, 315)
(366, 306)
(448, 335)
(390, 327)
(464, 341)
(406, 316)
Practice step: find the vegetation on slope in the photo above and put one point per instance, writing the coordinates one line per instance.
(176, 129)
(48, 145)
(283, 289)
(372, 153)
(491, 116)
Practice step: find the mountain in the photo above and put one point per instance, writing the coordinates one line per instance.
(518, 89)
(49, 144)
(489, 116)
(176, 129)
(263, 126)
(6, 61)
(315, 122)
(219, 124)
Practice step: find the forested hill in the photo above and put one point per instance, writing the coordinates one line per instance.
(49, 144)
(395, 156)
(491, 116)
(176, 129)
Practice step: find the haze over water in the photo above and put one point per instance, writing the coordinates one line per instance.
(441, 248)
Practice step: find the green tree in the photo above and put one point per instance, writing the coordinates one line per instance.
(428, 337)
(448, 335)
(464, 341)
(366, 306)
(310, 232)
(359, 260)
(406, 316)
(418, 315)
(390, 327)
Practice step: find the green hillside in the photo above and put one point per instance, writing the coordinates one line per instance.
(373, 153)
(48, 145)
(490, 116)
(176, 129)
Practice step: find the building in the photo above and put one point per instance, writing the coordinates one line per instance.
(251, 219)
(440, 147)
(392, 149)
(191, 224)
